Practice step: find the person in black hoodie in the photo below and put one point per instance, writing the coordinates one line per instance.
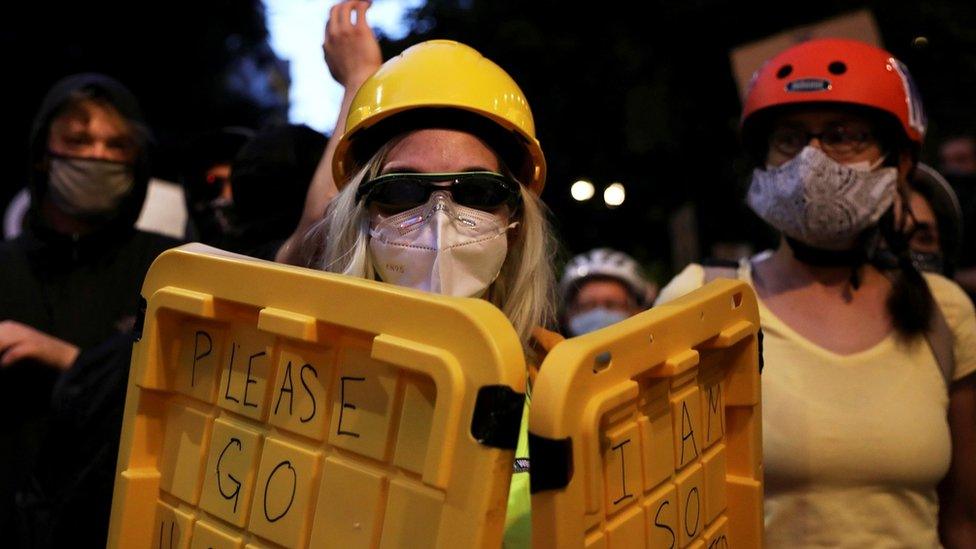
(205, 174)
(269, 179)
(245, 190)
(69, 286)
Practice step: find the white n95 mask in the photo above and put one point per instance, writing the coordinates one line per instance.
(440, 247)
(820, 201)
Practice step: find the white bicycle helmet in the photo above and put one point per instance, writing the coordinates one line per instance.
(606, 263)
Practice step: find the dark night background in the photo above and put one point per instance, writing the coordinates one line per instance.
(648, 100)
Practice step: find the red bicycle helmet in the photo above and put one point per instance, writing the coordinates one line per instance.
(841, 71)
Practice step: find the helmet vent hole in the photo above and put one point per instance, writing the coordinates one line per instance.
(784, 71)
(837, 67)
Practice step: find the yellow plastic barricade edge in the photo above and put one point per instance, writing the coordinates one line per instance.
(648, 432)
(218, 445)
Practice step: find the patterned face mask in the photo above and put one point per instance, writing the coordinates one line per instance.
(820, 202)
(440, 247)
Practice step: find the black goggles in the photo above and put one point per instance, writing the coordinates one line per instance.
(403, 191)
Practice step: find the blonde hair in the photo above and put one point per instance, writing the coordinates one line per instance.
(524, 289)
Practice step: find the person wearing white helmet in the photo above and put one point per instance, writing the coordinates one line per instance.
(602, 287)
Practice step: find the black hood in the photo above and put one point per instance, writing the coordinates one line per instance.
(112, 91)
(271, 173)
(270, 177)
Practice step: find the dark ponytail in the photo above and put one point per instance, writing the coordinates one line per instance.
(910, 303)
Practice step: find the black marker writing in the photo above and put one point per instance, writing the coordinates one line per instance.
(342, 399)
(286, 387)
(623, 473)
(197, 355)
(162, 526)
(249, 380)
(294, 485)
(657, 518)
(687, 432)
(694, 529)
(230, 370)
(720, 542)
(311, 396)
(714, 408)
(237, 488)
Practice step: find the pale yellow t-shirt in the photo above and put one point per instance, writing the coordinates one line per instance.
(853, 446)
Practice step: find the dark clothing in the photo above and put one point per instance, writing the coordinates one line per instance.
(965, 187)
(83, 292)
(67, 500)
(80, 291)
(269, 179)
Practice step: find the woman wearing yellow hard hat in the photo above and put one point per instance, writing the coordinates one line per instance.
(438, 174)
(869, 392)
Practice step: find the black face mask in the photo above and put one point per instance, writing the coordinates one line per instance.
(897, 253)
(217, 222)
(931, 262)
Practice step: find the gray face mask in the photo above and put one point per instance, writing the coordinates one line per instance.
(86, 187)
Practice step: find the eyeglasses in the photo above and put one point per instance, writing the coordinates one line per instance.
(403, 191)
(837, 138)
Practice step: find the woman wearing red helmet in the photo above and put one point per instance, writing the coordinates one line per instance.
(866, 444)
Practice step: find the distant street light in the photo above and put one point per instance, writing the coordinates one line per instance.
(614, 195)
(582, 190)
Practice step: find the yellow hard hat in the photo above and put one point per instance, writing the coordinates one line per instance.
(438, 83)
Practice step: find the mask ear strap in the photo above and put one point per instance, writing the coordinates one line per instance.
(879, 162)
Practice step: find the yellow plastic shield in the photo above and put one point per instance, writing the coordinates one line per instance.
(648, 433)
(273, 405)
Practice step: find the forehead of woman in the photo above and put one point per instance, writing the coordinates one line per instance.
(434, 150)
